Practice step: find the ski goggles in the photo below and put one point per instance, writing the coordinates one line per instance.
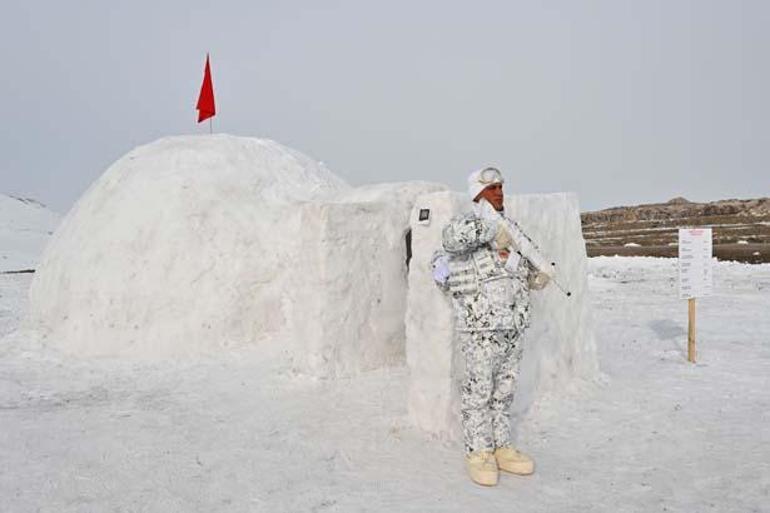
(490, 175)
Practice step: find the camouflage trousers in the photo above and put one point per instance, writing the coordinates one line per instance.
(491, 371)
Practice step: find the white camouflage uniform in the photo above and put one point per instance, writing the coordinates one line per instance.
(491, 303)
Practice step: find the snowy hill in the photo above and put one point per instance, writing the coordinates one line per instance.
(25, 226)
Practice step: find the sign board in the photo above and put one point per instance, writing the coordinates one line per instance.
(695, 254)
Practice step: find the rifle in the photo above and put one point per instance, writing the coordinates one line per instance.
(528, 249)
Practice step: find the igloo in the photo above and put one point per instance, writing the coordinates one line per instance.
(195, 245)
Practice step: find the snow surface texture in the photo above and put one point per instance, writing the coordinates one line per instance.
(194, 245)
(559, 346)
(233, 434)
(25, 226)
(348, 302)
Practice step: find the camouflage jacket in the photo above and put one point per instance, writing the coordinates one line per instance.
(486, 295)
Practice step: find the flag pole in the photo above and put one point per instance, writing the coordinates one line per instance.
(211, 125)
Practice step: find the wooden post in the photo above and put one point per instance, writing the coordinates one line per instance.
(691, 330)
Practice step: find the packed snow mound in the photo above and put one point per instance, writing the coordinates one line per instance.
(182, 246)
(25, 226)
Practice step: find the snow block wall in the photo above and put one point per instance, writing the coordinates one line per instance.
(349, 300)
(434, 364)
(559, 345)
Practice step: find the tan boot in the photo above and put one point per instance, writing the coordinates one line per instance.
(513, 461)
(482, 467)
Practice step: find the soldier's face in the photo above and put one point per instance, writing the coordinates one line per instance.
(494, 195)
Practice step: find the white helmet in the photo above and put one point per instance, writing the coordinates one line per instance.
(480, 179)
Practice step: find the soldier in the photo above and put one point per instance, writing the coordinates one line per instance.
(489, 266)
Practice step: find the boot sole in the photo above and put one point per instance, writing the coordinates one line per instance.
(491, 480)
(522, 471)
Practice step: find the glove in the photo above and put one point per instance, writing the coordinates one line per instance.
(440, 269)
(503, 238)
(538, 280)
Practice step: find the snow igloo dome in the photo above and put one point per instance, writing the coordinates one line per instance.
(192, 244)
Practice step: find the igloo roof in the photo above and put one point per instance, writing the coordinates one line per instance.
(260, 167)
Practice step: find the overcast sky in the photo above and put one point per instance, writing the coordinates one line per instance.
(622, 102)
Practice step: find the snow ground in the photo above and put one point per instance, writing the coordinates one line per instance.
(228, 434)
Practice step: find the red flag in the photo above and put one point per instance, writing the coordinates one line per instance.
(205, 105)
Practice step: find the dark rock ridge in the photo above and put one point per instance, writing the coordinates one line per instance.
(741, 228)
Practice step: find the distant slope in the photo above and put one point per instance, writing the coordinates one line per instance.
(741, 228)
(25, 226)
